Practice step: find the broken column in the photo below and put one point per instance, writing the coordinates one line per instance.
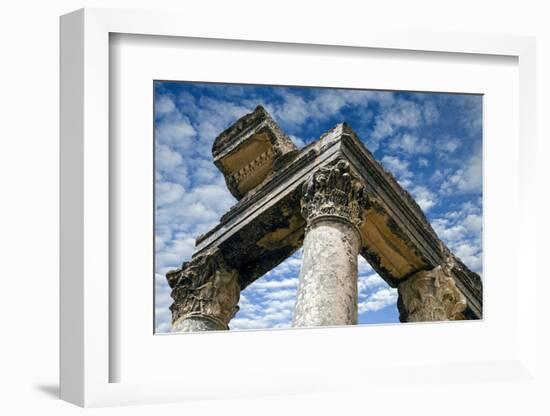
(332, 204)
(430, 295)
(205, 292)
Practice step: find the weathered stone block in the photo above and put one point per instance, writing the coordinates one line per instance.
(250, 150)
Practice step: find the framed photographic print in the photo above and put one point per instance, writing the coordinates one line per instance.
(334, 204)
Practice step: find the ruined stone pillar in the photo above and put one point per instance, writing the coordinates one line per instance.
(205, 292)
(430, 295)
(332, 203)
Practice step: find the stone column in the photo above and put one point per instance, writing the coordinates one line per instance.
(430, 295)
(332, 203)
(205, 292)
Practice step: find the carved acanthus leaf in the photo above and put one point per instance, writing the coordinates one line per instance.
(334, 191)
(207, 287)
(431, 296)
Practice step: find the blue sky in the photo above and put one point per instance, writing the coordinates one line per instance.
(431, 142)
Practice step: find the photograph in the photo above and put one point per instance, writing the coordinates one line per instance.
(275, 209)
(299, 206)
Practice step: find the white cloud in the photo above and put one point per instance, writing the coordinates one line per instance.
(448, 232)
(399, 168)
(237, 324)
(430, 112)
(205, 172)
(265, 312)
(379, 300)
(400, 114)
(425, 198)
(290, 266)
(363, 266)
(461, 231)
(447, 144)
(166, 159)
(466, 179)
(423, 162)
(473, 223)
(470, 254)
(195, 210)
(298, 141)
(178, 132)
(269, 301)
(367, 282)
(469, 207)
(162, 302)
(293, 111)
(276, 284)
(164, 105)
(329, 102)
(437, 176)
(168, 192)
(470, 113)
(280, 307)
(409, 144)
(281, 294)
(172, 254)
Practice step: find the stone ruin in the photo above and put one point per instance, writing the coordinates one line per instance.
(334, 199)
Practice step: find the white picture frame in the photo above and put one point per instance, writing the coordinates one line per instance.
(86, 353)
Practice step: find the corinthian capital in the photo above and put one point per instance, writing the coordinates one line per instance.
(334, 191)
(205, 287)
(430, 296)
